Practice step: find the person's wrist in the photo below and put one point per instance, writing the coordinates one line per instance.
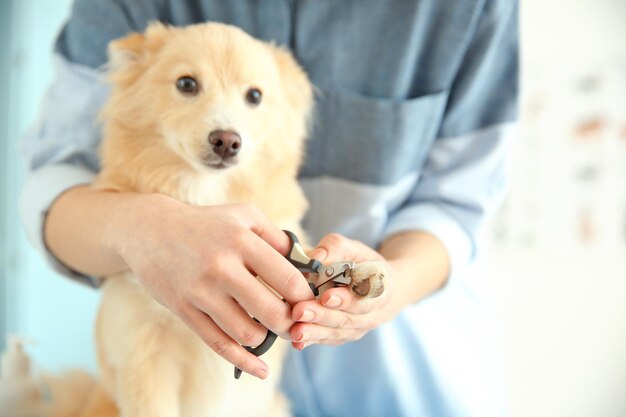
(131, 214)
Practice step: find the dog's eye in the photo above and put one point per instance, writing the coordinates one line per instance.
(254, 96)
(187, 85)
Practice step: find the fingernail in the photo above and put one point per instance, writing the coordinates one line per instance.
(303, 337)
(333, 301)
(307, 315)
(261, 373)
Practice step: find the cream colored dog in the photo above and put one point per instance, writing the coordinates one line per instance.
(208, 115)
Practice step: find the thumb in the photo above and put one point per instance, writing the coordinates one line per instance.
(333, 248)
(319, 253)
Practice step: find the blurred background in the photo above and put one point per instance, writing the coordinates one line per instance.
(558, 245)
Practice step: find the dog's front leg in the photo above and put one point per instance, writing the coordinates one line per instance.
(139, 350)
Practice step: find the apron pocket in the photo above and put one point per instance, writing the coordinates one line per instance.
(370, 140)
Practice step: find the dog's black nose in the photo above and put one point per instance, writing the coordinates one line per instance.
(226, 143)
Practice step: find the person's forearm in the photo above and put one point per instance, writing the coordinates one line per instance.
(420, 266)
(79, 229)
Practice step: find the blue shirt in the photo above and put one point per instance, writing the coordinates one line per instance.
(413, 116)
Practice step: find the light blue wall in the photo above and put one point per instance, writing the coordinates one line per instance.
(37, 303)
(5, 13)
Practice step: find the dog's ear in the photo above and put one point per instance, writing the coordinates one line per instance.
(126, 51)
(156, 35)
(127, 56)
(295, 82)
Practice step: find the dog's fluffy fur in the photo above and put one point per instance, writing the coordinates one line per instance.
(155, 141)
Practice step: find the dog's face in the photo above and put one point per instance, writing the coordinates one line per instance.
(210, 93)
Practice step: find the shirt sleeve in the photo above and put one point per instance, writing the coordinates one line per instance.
(466, 173)
(59, 151)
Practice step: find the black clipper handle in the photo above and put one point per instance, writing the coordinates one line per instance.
(259, 350)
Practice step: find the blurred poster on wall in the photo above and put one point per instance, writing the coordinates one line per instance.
(569, 185)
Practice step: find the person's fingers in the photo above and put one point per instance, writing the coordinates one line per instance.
(260, 302)
(313, 312)
(332, 248)
(233, 320)
(335, 248)
(276, 271)
(343, 299)
(237, 285)
(314, 333)
(320, 253)
(223, 345)
(256, 221)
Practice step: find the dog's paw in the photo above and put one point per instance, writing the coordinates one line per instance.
(368, 278)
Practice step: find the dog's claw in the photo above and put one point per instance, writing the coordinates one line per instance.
(362, 288)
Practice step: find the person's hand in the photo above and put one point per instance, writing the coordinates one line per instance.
(340, 316)
(202, 262)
